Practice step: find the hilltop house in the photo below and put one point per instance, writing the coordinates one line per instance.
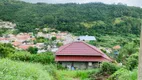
(80, 55)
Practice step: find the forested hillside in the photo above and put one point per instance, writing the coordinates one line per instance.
(87, 19)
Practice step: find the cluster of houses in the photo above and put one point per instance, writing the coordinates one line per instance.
(6, 24)
(23, 41)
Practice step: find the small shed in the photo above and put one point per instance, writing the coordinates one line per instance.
(86, 38)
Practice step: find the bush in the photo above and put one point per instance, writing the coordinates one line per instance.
(108, 68)
(13, 70)
(44, 58)
(20, 56)
(5, 50)
(124, 74)
(33, 50)
(132, 61)
(82, 74)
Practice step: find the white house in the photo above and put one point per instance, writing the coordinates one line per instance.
(86, 38)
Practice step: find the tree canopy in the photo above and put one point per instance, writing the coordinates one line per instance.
(87, 19)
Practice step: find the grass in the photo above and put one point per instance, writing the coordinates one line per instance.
(15, 70)
(74, 75)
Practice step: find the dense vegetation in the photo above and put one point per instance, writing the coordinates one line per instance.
(6, 49)
(88, 19)
(10, 70)
(44, 58)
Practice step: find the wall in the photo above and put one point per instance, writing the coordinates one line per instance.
(80, 65)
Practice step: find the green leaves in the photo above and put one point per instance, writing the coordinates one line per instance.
(76, 18)
(6, 49)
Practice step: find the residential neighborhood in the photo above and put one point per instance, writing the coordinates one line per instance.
(22, 41)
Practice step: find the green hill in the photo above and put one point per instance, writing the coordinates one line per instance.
(87, 19)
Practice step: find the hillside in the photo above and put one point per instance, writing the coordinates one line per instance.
(87, 19)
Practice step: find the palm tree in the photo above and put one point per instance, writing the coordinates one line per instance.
(140, 59)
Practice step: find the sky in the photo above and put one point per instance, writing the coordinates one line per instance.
(137, 3)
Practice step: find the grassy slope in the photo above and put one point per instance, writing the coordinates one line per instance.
(13, 70)
(75, 75)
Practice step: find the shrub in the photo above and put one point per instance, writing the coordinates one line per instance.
(82, 74)
(21, 56)
(124, 74)
(44, 58)
(33, 50)
(132, 61)
(108, 68)
(60, 67)
(5, 50)
(13, 70)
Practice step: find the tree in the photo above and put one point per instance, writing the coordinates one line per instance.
(53, 38)
(5, 50)
(126, 51)
(59, 44)
(32, 50)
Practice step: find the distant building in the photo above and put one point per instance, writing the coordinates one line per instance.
(6, 24)
(4, 40)
(117, 47)
(80, 55)
(25, 47)
(86, 38)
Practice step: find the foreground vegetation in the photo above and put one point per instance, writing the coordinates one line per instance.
(15, 70)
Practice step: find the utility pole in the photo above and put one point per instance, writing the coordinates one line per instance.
(140, 58)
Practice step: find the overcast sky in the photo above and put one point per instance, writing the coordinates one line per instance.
(128, 2)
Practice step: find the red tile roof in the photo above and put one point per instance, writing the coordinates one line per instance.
(25, 47)
(81, 58)
(117, 47)
(16, 43)
(1, 38)
(80, 49)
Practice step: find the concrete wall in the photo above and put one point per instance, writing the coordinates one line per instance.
(80, 65)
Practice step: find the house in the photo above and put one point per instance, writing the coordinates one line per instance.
(117, 47)
(80, 55)
(25, 47)
(86, 38)
(23, 37)
(4, 40)
(16, 43)
(40, 45)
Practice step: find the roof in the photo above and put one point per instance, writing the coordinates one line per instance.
(16, 43)
(80, 48)
(25, 47)
(2, 38)
(86, 38)
(117, 47)
(81, 58)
